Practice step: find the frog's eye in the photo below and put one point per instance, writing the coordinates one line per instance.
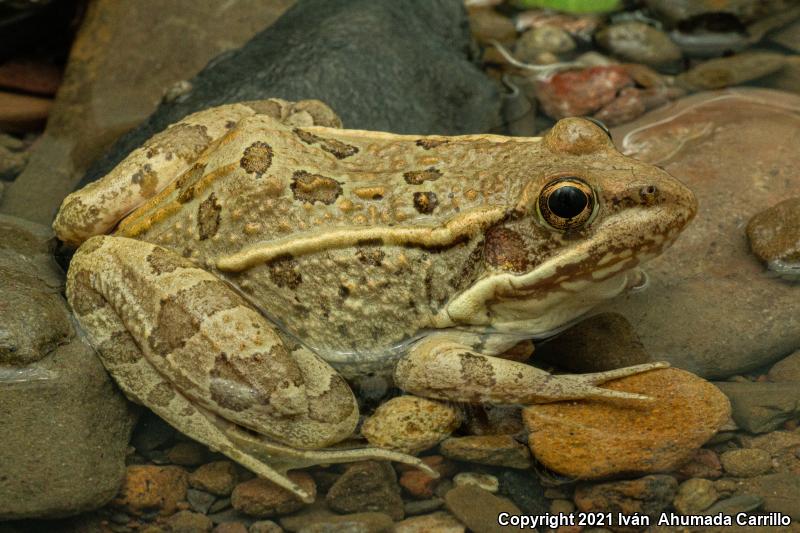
(566, 203)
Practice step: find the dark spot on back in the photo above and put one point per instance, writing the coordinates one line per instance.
(208, 217)
(312, 188)
(185, 183)
(285, 272)
(370, 242)
(373, 257)
(425, 202)
(161, 261)
(415, 177)
(427, 144)
(338, 149)
(344, 292)
(257, 158)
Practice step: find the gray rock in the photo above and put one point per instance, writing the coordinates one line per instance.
(601, 342)
(780, 492)
(787, 369)
(524, 490)
(362, 57)
(710, 307)
(535, 41)
(478, 509)
(639, 43)
(747, 462)
(675, 10)
(762, 407)
(743, 503)
(774, 236)
(695, 495)
(730, 71)
(369, 486)
(65, 425)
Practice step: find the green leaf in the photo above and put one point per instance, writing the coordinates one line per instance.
(572, 6)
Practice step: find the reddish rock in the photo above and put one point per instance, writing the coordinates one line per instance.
(419, 484)
(774, 236)
(149, 488)
(189, 522)
(187, 453)
(30, 77)
(581, 92)
(261, 498)
(594, 439)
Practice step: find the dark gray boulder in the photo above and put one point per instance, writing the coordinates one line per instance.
(384, 65)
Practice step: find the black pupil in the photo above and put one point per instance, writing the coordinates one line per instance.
(567, 201)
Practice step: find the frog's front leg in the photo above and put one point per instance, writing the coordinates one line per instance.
(182, 342)
(441, 367)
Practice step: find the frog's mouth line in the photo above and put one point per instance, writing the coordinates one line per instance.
(585, 273)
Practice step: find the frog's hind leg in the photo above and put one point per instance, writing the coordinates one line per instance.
(441, 367)
(183, 343)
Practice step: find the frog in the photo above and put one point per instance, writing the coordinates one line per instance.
(241, 268)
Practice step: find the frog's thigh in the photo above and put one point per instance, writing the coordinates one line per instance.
(439, 367)
(203, 343)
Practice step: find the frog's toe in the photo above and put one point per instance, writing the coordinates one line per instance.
(601, 377)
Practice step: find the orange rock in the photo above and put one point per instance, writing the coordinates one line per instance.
(149, 487)
(594, 439)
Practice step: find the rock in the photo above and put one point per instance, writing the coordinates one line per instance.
(737, 504)
(446, 95)
(733, 70)
(478, 509)
(187, 453)
(265, 526)
(599, 343)
(579, 26)
(419, 484)
(677, 10)
(231, 527)
(262, 499)
(199, 500)
(410, 424)
(488, 25)
(702, 463)
(695, 495)
(787, 369)
(327, 522)
(774, 442)
(775, 237)
(188, 522)
(681, 317)
(561, 506)
(639, 43)
(218, 478)
(19, 112)
(440, 522)
(152, 433)
(542, 39)
(125, 56)
(487, 482)
(65, 425)
(788, 37)
(648, 495)
(367, 486)
(29, 76)
(524, 490)
(590, 440)
(228, 515)
(487, 419)
(762, 407)
(497, 450)
(580, 92)
(746, 462)
(418, 507)
(780, 492)
(151, 489)
(14, 155)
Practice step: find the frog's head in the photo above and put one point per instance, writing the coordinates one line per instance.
(584, 219)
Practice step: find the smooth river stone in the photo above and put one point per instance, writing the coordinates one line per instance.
(711, 307)
(591, 439)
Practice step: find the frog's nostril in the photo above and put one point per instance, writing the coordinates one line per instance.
(649, 195)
